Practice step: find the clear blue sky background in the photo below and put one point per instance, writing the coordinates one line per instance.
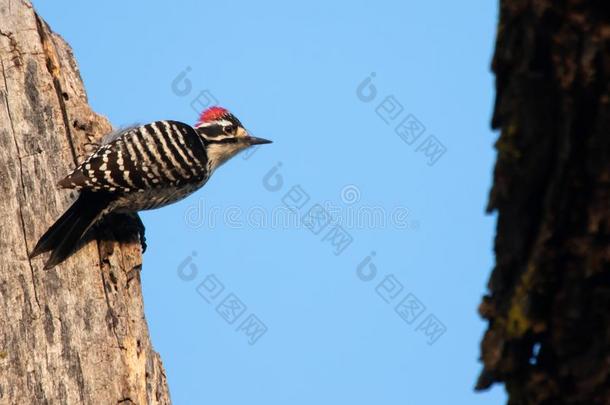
(290, 72)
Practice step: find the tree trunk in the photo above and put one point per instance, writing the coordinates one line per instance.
(549, 294)
(75, 334)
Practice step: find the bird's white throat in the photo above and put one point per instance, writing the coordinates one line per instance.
(220, 153)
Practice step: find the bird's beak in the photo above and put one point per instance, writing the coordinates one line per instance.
(252, 140)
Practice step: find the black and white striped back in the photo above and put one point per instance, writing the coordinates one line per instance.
(161, 159)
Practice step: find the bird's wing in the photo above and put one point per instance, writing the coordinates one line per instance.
(160, 154)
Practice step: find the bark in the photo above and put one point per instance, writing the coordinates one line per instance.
(548, 306)
(75, 334)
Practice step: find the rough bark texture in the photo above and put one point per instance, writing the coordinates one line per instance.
(75, 334)
(549, 294)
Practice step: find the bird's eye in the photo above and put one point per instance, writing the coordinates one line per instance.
(230, 129)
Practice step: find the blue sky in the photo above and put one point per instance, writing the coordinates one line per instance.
(262, 286)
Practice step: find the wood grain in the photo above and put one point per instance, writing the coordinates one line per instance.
(75, 334)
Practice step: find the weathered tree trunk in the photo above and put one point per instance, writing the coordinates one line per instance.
(549, 303)
(75, 334)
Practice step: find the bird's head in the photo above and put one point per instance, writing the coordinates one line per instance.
(224, 135)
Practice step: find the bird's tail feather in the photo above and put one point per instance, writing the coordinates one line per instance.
(63, 236)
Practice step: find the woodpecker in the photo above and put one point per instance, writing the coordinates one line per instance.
(141, 168)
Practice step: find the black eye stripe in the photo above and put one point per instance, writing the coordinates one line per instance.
(213, 131)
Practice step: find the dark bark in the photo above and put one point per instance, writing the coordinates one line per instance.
(549, 294)
(75, 334)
